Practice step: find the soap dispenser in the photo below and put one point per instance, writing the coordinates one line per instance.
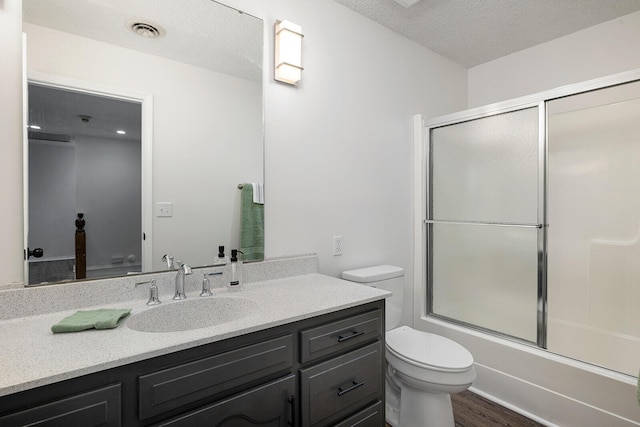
(221, 259)
(235, 276)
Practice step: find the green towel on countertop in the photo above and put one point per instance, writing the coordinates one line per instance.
(251, 226)
(102, 318)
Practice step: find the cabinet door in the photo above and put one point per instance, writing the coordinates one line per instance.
(336, 388)
(94, 408)
(270, 405)
(180, 385)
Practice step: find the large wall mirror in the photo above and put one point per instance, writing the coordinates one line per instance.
(182, 82)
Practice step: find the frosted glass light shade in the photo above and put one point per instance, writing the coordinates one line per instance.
(288, 52)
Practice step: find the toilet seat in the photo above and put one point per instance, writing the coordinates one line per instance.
(427, 350)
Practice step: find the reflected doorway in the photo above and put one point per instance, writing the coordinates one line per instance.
(84, 156)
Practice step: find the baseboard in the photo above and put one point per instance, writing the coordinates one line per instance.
(542, 405)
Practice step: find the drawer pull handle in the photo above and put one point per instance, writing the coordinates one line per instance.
(354, 385)
(354, 334)
(292, 402)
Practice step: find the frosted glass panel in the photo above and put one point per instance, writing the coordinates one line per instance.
(593, 270)
(486, 276)
(486, 170)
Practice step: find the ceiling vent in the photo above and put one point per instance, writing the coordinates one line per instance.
(145, 29)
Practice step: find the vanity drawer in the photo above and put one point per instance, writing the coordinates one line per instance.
(333, 389)
(99, 407)
(373, 416)
(337, 336)
(270, 404)
(180, 385)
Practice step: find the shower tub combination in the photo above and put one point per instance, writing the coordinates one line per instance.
(529, 241)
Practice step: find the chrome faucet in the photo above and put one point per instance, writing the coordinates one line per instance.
(183, 269)
(169, 260)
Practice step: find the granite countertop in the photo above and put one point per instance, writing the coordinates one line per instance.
(31, 355)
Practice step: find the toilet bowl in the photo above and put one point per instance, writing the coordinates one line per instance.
(426, 368)
(423, 369)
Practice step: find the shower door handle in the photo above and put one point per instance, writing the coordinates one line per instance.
(494, 224)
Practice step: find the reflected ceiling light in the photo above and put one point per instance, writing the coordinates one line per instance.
(121, 132)
(288, 52)
(34, 127)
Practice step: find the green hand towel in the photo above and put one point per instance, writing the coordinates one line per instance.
(251, 226)
(82, 320)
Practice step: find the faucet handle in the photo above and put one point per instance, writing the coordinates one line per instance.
(153, 292)
(206, 284)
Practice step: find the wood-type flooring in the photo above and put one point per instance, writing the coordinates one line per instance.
(471, 410)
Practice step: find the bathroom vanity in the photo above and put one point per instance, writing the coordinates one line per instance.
(315, 360)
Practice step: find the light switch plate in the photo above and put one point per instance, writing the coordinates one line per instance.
(164, 209)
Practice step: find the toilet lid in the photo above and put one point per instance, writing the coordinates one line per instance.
(429, 350)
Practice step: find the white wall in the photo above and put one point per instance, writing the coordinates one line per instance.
(339, 147)
(99, 177)
(11, 216)
(108, 193)
(601, 50)
(52, 197)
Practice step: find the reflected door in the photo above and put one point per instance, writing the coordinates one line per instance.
(84, 157)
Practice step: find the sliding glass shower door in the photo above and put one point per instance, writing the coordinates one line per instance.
(533, 220)
(594, 227)
(483, 226)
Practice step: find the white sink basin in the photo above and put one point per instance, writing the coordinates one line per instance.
(192, 314)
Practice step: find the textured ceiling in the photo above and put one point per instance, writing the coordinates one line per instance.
(198, 32)
(471, 32)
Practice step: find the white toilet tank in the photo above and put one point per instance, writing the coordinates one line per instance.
(388, 278)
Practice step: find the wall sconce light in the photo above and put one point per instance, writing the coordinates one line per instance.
(288, 52)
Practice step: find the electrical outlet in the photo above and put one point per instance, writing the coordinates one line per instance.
(337, 245)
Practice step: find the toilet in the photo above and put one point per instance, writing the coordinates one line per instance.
(423, 369)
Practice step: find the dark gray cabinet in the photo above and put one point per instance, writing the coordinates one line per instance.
(327, 370)
(174, 387)
(371, 416)
(341, 335)
(337, 387)
(271, 405)
(92, 408)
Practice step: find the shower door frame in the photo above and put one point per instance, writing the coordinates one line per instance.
(423, 294)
